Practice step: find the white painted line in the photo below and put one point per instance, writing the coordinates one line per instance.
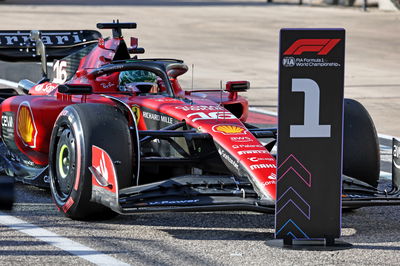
(385, 148)
(385, 175)
(60, 242)
(388, 137)
(9, 83)
(258, 110)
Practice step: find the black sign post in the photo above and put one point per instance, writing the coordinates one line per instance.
(311, 80)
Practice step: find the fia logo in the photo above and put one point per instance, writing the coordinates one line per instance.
(288, 61)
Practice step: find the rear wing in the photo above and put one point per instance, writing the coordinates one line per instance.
(18, 46)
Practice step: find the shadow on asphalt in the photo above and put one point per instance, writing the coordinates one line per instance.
(198, 220)
(194, 234)
(372, 247)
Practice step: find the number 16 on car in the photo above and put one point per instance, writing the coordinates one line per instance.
(310, 134)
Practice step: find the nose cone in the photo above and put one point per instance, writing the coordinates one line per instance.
(240, 151)
(244, 155)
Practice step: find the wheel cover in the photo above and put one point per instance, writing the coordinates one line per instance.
(65, 164)
(63, 161)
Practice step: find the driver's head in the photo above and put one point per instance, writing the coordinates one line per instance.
(132, 76)
(137, 80)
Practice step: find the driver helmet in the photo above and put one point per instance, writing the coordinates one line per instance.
(134, 76)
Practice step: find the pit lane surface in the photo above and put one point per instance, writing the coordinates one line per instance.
(165, 238)
(226, 39)
(219, 238)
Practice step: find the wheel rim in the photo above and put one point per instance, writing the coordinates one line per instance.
(63, 161)
(65, 164)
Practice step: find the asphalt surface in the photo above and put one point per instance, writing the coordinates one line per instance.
(224, 42)
(158, 3)
(193, 238)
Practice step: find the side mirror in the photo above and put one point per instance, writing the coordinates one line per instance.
(233, 87)
(237, 86)
(75, 89)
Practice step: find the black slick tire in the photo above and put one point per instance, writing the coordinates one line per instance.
(361, 156)
(76, 130)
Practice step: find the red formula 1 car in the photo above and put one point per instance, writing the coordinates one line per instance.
(114, 133)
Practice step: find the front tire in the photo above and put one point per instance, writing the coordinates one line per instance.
(77, 129)
(361, 155)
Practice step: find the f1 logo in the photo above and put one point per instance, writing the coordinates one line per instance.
(322, 46)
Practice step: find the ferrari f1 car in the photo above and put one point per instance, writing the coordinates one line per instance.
(111, 133)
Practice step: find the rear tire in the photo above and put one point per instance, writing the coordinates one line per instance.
(361, 155)
(77, 129)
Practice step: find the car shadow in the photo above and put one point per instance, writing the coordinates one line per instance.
(372, 228)
(207, 234)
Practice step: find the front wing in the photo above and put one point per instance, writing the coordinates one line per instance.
(213, 193)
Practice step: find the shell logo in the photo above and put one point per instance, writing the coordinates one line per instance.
(26, 127)
(229, 129)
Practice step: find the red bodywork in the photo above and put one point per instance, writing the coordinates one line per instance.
(207, 113)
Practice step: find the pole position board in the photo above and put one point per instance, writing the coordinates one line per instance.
(310, 116)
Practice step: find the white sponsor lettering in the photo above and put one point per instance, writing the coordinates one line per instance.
(167, 100)
(25, 39)
(45, 87)
(158, 117)
(241, 139)
(267, 183)
(164, 202)
(11, 40)
(47, 38)
(224, 155)
(107, 85)
(252, 152)
(308, 62)
(166, 119)
(211, 115)
(257, 159)
(77, 39)
(200, 107)
(61, 39)
(262, 166)
(247, 146)
(7, 121)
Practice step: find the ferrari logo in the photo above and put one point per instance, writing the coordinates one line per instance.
(102, 168)
(136, 111)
